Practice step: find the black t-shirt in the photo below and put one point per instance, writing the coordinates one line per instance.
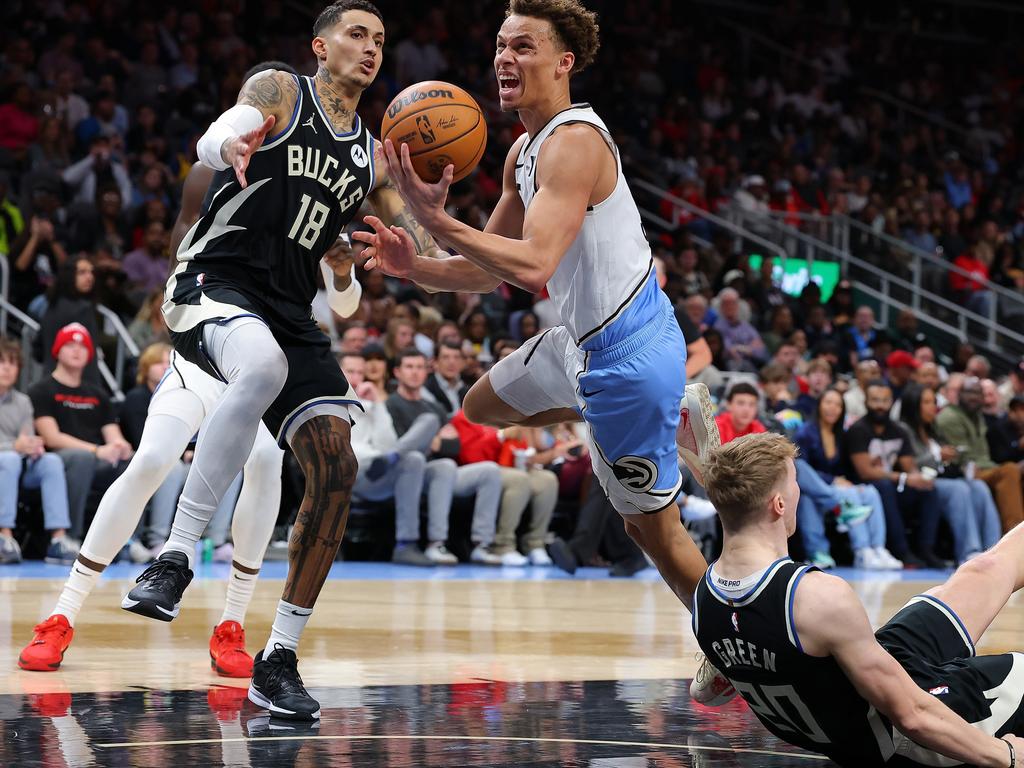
(81, 412)
(690, 332)
(885, 449)
(133, 412)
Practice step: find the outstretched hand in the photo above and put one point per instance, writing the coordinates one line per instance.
(425, 200)
(238, 151)
(390, 249)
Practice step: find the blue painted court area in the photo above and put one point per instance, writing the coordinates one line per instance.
(361, 571)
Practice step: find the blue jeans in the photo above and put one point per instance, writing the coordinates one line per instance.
(924, 504)
(45, 473)
(971, 513)
(817, 498)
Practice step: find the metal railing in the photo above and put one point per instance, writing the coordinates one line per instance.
(920, 299)
(5, 287)
(660, 194)
(1012, 301)
(787, 241)
(125, 342)
(32, 369)
(835, 230)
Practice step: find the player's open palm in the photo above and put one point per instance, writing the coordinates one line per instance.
(390, 250)
(425, 200)
(238, 151)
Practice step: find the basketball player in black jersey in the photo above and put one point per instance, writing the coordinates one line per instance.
(294, 164)
(797, 645)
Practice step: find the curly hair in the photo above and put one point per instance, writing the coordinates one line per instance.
(575, 26)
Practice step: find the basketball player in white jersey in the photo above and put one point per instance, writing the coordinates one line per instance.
(567, 220)
(179, 406)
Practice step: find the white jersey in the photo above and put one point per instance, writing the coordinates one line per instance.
(605, 270)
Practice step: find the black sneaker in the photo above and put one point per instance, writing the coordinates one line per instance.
(624, 569)
(159, 590)
(277, 687)
(563, 556)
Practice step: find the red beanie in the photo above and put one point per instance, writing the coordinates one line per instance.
(73, 332)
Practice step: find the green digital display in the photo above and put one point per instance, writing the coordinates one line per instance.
(792, 274)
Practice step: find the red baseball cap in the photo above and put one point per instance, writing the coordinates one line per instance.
(902, 359)
(73, 332)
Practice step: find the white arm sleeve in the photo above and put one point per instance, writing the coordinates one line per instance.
(237, 121)
(345, 303)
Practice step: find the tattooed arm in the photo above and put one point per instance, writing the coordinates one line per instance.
(231, 140)
(272, 92)
(432, 268)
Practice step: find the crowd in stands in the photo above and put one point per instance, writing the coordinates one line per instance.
(910, 446)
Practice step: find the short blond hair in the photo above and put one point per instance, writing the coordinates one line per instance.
(744, 474)
(150, 356)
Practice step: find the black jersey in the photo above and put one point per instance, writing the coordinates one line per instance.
(804, 700)
(304, 185)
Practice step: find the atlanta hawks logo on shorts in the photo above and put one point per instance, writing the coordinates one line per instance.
(636, 473)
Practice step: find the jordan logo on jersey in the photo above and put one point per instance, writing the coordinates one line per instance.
(317, 165)
(309, 123)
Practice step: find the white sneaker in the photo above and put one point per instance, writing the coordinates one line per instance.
(867, 559)
(481, 555)
(225, 553)
(697, 508)
(888, 559)
(709, 686)
(438, 553)
(514, 559)
(138, 553)
(539, 556)
(10, 551)
(697, 434)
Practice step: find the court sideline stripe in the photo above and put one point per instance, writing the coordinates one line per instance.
(341, 737)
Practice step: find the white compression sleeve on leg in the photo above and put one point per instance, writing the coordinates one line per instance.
(344, 303)
(237, 121)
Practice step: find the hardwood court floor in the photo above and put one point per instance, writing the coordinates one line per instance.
(463, 667)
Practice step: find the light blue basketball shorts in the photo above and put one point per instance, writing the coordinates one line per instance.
(629, 395)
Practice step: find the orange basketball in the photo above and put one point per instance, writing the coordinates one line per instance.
(442, 125)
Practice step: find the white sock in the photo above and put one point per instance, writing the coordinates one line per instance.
(240, 588)
(289, 622)
(80, 582)
(190, 521)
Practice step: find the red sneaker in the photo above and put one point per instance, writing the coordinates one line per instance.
(50, 704)
(46, 651)
(227, 650)
(226, 702)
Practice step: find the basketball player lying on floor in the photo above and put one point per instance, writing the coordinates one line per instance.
(797, 645)
(179, 406)
(567, 220)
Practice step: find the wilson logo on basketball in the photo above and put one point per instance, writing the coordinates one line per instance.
(636, 473)
(399, 104)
